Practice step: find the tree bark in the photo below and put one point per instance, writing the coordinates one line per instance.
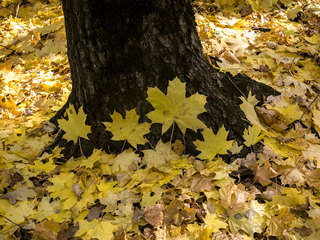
(117, 49)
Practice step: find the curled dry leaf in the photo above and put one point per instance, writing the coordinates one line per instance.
(264, 173)
(201, 183)
(230, 57)
(154, 215)
(94, 212)
(76, 188)
(22, 194)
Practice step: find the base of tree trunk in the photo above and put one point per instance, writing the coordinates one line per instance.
(119, 49)
(223, 100)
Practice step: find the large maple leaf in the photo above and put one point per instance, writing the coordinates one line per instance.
(247, 107)
(128, 128)
(75, 126)
(175, 107)
(213, 144)
(102, 230)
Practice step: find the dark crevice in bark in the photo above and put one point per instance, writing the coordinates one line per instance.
(117, 49)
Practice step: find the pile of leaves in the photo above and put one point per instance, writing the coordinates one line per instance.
(161, 193)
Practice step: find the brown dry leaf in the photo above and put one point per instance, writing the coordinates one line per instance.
(230, 57)
(264, 173)
(48, 229)
(268, 116)
(22, 193)
(313, 178)
(201, 183)
(250, 161)
(271, 190)
(94, 212)
(278, 224)
(171, 213)
(233, 197)
(245, 10)
(154, 215)
(271, 118)
(178, 213)
(224, 236)
(76, 188)
(67, 232)
(293, 176)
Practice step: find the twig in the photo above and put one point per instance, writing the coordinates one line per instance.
(10, 49)
(172, 133)
(150, 143)
(17, 10)
(31, 33)
(10, 220)
(237, 87)
(197, 10)
(81, 147)
(293, 63)
(309, 107)
(124, 144)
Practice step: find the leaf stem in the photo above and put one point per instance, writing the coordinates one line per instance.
(305, 111)
(80, 147)
(124, 144)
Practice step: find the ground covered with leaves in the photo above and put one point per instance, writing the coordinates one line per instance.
(161, 193)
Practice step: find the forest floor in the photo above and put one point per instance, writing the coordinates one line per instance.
(272, 193)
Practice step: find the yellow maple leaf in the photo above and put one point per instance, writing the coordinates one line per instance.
(60, 184)
(124, 161)
(175, 107)
(213, 144)
(75, 126)
(252, 135)
(97, 156)
(289, 197)
(288, 110)
(102, 230)
(128, 128)
(19, 212)
(250, 219)
(213, 223)
(46, 208)
(39, 166)
(161, 155)
(151, 195)
(316, 119)
(235, 149)
(247, 107)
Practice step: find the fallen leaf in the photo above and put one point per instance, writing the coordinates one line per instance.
(213, 144)
(128, 128)
(76, 188)
(75, 127)
(22, 193)
(154, 215)
(174, 107)
(201, 183)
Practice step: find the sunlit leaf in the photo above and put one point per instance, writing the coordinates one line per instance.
(75, 127)
(128, 128)
(174, 107)
(213, 144)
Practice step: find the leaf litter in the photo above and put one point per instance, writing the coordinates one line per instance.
(161, 193)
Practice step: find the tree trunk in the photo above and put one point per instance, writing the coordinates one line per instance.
(117, 49)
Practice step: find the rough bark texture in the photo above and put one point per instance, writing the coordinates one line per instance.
(117, 49)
